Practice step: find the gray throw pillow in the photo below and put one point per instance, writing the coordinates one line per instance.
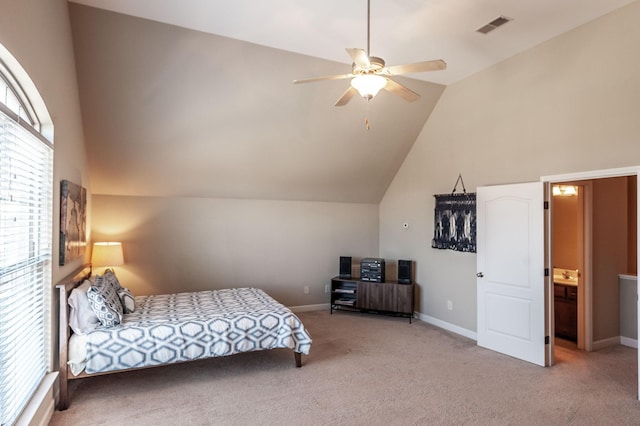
(110, 277)
(105, 302)
(127, 300)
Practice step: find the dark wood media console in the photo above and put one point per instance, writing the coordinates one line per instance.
(388, 297)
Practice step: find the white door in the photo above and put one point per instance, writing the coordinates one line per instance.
(510, 261)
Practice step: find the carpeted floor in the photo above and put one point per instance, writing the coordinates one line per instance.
(368, 370)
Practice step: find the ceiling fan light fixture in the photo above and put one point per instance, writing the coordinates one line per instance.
(368, 85)
(369, 73)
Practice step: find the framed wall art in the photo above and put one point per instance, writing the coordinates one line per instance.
(73, 221)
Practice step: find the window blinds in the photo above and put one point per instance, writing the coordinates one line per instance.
(26, 174)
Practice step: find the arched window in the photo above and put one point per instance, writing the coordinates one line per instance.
(13, 97)
(26, 210)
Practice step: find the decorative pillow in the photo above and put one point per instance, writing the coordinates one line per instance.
(111, 278)
(82, 319)
(104, 300)
(127, 300)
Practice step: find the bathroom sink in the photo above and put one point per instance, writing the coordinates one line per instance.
(565, 276)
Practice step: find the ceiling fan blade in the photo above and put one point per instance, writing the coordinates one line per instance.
(346, 96)
(435, 65)
(359, 56)
(402, 91)
(326, 77)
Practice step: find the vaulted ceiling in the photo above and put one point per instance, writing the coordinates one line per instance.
(195, 98)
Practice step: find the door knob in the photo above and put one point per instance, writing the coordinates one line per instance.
(480, 275)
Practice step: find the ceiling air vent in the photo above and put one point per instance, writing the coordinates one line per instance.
(498, 22)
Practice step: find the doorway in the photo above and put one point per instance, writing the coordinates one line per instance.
(610, 248)
(567, 268)
(594, 239)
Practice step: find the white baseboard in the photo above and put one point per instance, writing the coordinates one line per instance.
(600, 344)
(422, 317)
(605, 343)
(425, 318)
(447, 326)
(417, 315)
(627, 341)
(308, 308)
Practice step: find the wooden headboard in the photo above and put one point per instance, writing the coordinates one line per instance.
(64, 290)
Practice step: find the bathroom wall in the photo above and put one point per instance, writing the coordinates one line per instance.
(566, 224)
(609, 254)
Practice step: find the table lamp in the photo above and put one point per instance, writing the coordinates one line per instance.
(107, 254)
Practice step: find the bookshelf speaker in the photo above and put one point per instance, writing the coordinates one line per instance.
(345, 266)
(404, 271)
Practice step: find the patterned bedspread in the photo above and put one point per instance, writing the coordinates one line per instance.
(186, 326)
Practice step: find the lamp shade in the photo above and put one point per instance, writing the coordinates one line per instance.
(368, 85)
(107, 254)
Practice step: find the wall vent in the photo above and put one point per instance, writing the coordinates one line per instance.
(498, 22)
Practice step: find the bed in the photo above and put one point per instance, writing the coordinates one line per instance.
(159, 330)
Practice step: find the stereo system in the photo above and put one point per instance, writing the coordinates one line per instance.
(372, 269)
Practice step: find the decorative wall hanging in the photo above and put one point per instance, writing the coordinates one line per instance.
(73, 221)
(455, 221)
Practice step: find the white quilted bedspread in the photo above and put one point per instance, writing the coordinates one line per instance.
(180, 327)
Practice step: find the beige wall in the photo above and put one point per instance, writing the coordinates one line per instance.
(176, 244)
(175, 112)
(38, 35)
(567, 105)
(609, 251)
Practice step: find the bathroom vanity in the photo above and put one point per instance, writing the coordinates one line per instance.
(565, 291)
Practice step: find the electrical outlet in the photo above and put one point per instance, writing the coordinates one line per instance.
(306, 289)
(450, 305)
(327, 288)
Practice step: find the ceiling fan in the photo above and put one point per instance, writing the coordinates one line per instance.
(369, 74)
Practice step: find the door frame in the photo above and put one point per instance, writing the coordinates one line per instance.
(590, 175)
(584, 319)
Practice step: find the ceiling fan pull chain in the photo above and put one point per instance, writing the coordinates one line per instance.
(366, 117)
